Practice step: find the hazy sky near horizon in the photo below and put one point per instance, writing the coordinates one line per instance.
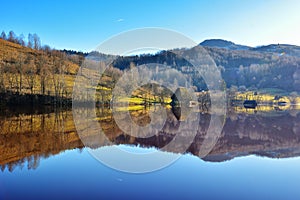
(82, 25)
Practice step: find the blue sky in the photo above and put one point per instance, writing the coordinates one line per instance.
(82, 25)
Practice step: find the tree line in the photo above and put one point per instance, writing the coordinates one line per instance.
(35, 74)
(239, 68)
(41, 71)
(33, 41)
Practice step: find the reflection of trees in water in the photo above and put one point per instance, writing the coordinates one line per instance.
(243, 134)
(25, 139)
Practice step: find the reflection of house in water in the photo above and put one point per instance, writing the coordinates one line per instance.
(253, 102)
(250, 104)
(184, 99)
(280, 101)
(181, 97)
(181, 102)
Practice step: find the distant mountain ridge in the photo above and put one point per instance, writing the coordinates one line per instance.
(281, 49)
(220, 43)
(272, 66)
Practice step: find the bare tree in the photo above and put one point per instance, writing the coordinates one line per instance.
(2, 86)
(43, 71)
(3, 35)
(20, 71)
(10, 74)
(30, 41)
(11, 36)
(21, 40)
(30, 73)
(58, 78)
(36, 42)
(46, 49)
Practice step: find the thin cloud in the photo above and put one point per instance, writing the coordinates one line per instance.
(120, 20)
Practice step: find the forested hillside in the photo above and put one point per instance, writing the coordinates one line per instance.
(246, 69)
(32, 73)
(29, 68)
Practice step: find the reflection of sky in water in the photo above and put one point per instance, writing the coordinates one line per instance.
(134, 159)
(77, 175)
(136, 150)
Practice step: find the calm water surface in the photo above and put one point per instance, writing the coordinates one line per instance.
(256, 157)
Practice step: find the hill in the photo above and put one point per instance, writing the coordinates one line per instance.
(46, 72)
(47, 76)
(43, 72)
(10, 53)
(254, 68)
(219, 43)
(280, 49)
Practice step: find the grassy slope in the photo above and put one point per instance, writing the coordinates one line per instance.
(10, 53)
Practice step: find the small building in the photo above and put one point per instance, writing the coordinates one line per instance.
(250, 104)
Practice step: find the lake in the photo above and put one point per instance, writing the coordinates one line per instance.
(256, 156)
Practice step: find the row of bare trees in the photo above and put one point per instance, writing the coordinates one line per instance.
(33, 40)
(35, 74)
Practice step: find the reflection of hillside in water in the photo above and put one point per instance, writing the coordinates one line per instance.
(24, 139)
(27, 138)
